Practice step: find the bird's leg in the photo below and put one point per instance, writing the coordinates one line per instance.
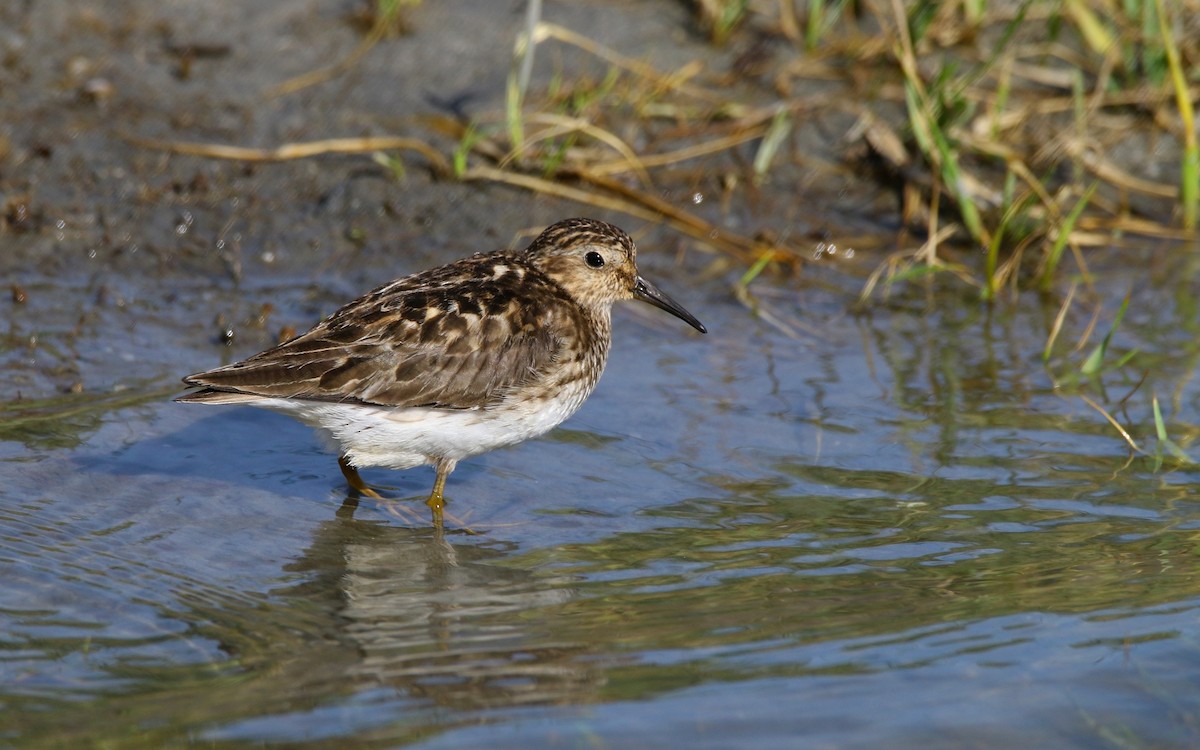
(437, 500)
(355, 481)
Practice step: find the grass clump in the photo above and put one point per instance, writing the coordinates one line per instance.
(1012, 132)
(1014, 135)
(1029, 141)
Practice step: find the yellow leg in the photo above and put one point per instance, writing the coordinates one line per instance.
(437, 501)
(355, 481)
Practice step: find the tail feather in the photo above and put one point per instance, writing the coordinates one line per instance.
(213, 396)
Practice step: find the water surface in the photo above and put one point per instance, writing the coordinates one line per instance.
(889, 525)
(897, 532)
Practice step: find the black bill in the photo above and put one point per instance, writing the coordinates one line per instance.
(647, 292)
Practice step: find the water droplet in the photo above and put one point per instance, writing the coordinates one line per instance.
(697, 198)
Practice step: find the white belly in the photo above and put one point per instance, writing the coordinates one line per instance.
(400, 438)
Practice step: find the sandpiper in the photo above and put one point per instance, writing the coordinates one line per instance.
(451, 362)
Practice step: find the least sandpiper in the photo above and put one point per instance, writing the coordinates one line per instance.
(451, 362)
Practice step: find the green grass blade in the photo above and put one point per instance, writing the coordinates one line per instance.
(1060, 242)
(1189, 192)
(512, 114)
(777, 133)
(952, 178)
(1159, 428)
(816, 22)
(469, 138)
(991, 262)
(752, 273)
(1095, 361)
(1164, 440)
(519, 74)
(998, 48)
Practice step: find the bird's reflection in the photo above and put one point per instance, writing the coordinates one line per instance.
(441, 616)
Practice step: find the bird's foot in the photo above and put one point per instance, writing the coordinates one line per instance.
(355, 481)
(437, 504)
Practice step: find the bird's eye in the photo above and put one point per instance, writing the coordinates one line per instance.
(594, 259)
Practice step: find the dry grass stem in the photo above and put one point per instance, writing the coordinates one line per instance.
(1109, 172)
(676, 83)
(1056, 328)
(1112, 421)
(705, 148)
(289, 151)
(994, 142)
(561, 125)
(320, 75)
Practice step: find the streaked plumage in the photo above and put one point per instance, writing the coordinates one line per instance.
(454, 361)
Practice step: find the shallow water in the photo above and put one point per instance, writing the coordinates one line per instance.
(894, 527)
(896, 531)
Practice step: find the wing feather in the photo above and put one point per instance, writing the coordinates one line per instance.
(435, 339)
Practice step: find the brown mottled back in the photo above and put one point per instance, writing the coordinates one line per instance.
(461, 336)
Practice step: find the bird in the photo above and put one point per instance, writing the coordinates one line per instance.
(447, 363)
